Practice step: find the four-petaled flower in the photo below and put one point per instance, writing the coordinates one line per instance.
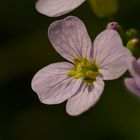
(133, 84)
(80, 80)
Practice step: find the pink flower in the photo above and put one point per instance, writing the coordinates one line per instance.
(133, 84)
(79, 81)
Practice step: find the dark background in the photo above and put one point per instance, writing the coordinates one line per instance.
(25, 48)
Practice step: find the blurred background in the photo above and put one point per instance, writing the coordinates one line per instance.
(25, 48)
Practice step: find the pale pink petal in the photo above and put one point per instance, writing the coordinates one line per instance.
(70, 38)
(138, 61)
(52, 84)
(85, 98)
(131, 67)
(117, 65)
(136, 66)
(54, 8)
(110, 54)
(132, 87)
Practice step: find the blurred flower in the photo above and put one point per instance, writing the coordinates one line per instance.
(81, 81)
(133, 84)
(54, 8)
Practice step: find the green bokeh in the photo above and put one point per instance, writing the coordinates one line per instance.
(25, 48)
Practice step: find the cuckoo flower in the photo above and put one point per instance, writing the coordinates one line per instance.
(79, 81)
(133, 84)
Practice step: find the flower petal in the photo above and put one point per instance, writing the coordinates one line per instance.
(131, 67)
(85, 98)
(52, 84)
(136, 65)
(54, 8)
(110, 54)
(131, 86)
(70, 38)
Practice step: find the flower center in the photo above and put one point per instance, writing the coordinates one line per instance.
(84, 69)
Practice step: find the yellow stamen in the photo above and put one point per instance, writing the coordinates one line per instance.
(79, 75)
(84, 69)
(91, 74)
(71, 73)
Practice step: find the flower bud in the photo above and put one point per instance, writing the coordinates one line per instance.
(131, 33)
(134, 45)
(115, 26)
